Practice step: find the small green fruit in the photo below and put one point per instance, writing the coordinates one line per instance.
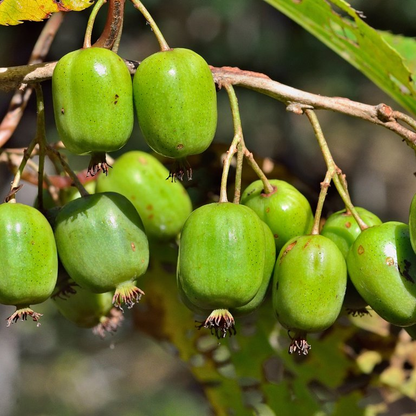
(28, 258)
(88, 310)
(382, 266)
(176, 102)
(342, 228)
(221, 260)
(93, 103)
(286, 211)
(309, 283)
(102, 245)
(163, 205)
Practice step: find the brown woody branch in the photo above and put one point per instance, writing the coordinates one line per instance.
(295, 100)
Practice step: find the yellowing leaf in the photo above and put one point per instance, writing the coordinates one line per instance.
(13, 12)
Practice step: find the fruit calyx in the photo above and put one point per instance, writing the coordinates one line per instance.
(360, 312)
(21, 314)
(109, 324)
(299, 344)
(98, 163)
(127, 294)
(179, 168)
(220, 322)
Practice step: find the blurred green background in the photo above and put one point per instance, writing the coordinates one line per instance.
(58, 369)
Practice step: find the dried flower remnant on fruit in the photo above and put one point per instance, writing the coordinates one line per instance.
(109, 324)
(127, 296)
(220, 322)
(22, 315)
(358, 312)
(98, 163)
(299, 345)
(179, 168)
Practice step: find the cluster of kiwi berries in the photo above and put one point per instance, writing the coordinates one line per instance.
(229, 254)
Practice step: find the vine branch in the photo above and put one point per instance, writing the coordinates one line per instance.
(296, 101)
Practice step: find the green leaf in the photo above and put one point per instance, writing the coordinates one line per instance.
(13, 12)
(375, 54)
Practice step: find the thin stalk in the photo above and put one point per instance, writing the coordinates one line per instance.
(321, 200)
(237, 139)
(238, 173)
(15, 186)
(332, 168)
(91, 21)
(68, 170)
(41, 139)
(267, 186)
(159, 36)
(23, 93)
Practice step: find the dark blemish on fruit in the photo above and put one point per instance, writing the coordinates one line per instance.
(348, 224)
(390, 261)
(62, 110)
(151, 216)
(133, 246)
(276, 235)
(267, 210)
(116, 97)
(288, 248)
(149, 207)
(307, 243)
(360, 250)
(179, 146)
(406, 271)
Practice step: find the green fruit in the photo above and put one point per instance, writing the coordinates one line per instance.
(286, 211)
(221, 260)
(309, 283)
(342, 228)
(28, 258)
(93, 102)
(269, 262)
(412, 223)
(176, 103)
(163, 205)
(84, 308)
(382, 266)
(102, 245)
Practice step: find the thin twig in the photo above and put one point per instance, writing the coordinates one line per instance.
(295, 100)
(21, 96)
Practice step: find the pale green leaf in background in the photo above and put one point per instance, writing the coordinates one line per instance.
(375, 54)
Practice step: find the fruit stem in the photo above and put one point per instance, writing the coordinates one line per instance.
(321, 200)
(41, 139)
(334, 171)
(238, 173)
(90, 24)
(68, 170)
(110, 37)
(267, 186)
(237, 139)
(159, 36)
(238, 145)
